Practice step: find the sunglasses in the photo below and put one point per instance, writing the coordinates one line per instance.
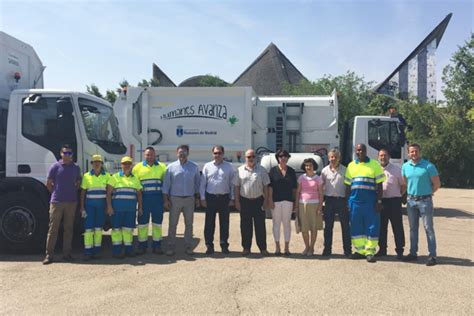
(250, 157)
(68, 153)
(217, 153)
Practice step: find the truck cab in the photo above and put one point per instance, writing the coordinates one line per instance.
(34, 124)
(376, 132)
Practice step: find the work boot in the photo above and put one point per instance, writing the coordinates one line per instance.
(371, 259)
(68, 258)
(381, 253)
(118, 256)
(157, 251)
(141, 251)
(357, 256)
(87, 257)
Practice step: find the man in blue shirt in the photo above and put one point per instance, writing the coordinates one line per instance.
(181, 194)
(422, 181)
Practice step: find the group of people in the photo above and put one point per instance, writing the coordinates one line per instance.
(365, 196)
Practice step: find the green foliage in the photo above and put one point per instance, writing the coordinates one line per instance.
(212, 81)
(111, 96)
(94, 90)
(149, 83)
(353, 93)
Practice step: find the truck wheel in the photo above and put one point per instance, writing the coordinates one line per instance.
(23, 223)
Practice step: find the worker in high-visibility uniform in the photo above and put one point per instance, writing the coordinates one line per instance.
(151, 173)
(124, 198)
(364, 177)
(93, 205)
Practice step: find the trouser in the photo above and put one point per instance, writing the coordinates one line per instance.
(58, 211)
(392, 211)
(424, 209)
(93, 223)
(123, 223)
(281, 214)
(180, 204)
(365, 226)
(217, 203)
(152, 206)
(336, 205)
(251, 214)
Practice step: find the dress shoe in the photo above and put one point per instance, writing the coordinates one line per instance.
(264, 252)
(326, 253)
(48, 260)
(410, 257)
(431, 261)
(246, 252)
(225, 250)
(68, 258)
(189, 251)
(210, 250)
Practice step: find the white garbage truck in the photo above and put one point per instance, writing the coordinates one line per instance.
(34, 123)
(306, 126)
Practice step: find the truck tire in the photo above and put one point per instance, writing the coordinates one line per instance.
(24, 222)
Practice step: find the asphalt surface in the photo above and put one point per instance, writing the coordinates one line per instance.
(233, 284)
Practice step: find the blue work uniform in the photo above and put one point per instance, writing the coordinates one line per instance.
(94, 204)
(124, 204)
(151, 178)
(363, 177)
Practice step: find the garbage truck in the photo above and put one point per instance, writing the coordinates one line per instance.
(34, 123)
(238, 119)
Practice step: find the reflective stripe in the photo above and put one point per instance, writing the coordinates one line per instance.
(96, 190)
(116, 237)
(366, 187)
(151, 181)
(359, 236)
(148, 189)
(365, 179)
(121, 190)
(96, 196)
(142, 233)
(124, 197)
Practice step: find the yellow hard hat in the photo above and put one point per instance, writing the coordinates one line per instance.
(126, 159)
(96, 158)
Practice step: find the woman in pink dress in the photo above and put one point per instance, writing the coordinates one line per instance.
(308, 204)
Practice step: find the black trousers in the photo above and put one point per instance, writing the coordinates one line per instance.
(251, 214)
(392, 211)
(217, 204)
(335, 205)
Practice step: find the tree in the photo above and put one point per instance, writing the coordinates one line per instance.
(212, 81)
(111, 96)
(149, 83)
(94, 90)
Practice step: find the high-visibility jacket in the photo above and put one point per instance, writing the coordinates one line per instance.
(124, 197)
(151, 177)
(363, 177)
(95, 185)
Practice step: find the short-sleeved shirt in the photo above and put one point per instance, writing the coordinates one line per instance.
(95, 185)
(419, 177)
(150, 176)
(363, 177)
(181, 179)
(64, 177)
(251, 181)
(393, 182)
(309, 188)
(282, 186)
(333, 181)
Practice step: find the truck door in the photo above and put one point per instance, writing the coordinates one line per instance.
(385, 134)
(47, 122)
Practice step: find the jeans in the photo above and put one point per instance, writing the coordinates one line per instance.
(424, 209)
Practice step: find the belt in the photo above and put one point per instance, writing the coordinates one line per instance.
(183, 196)
(334, 197)
(218, 195)
(419, 197)
(252, 199)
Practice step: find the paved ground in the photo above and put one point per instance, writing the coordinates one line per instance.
(273, 285)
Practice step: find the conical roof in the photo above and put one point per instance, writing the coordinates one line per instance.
(268, 72)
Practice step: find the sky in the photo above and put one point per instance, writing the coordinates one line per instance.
(104, 42)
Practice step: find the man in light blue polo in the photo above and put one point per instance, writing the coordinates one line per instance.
(181, 194)
(422, 181)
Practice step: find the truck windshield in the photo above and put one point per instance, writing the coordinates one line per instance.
(385, 134)
(101, 126)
